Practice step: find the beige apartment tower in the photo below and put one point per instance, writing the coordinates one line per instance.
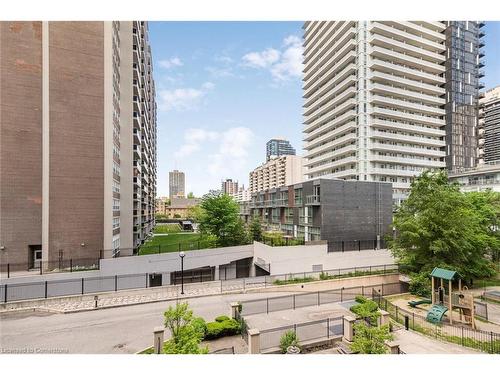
(176, 184)
(77, 141)
(279, 171)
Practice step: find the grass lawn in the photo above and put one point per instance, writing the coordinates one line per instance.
(175, 242)
(167, 228)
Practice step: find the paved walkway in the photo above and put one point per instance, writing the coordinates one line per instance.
(137, 296)
(126, 329)
(414, 343)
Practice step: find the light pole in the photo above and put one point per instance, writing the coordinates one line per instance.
(182, 255)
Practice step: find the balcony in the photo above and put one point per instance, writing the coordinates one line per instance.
(282, 202)
(313, 200)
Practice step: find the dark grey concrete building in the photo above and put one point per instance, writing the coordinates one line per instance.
(349, 215)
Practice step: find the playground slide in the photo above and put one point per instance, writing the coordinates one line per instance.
(421, 302)
(436, 313)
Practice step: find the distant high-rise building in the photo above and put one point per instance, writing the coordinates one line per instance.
(278, 147)
(77, 159)
(242, 195)
(280, 171)
(229, 186)
(489, 126)
(176, 184)
(385, 101)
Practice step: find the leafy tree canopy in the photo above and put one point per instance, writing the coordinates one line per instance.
(439, 226)
(255, 229)
(220, 216)
(186, 331)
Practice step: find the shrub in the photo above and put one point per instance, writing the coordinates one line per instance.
(200, 326)
(366, 309)
(289, 338)
(221, 318)
(420, 285)
(224, 328)
(325, 276)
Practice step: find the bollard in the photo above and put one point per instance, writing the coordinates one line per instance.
(384, 318)
(234, 309)
(95, 300)
(349, 328)
(158, 336)
(393, 347)
(407, 322)
(253, 341)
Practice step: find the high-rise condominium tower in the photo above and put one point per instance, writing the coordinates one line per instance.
(489, 126)
(176, 184)
(463, 62)
(229, 186)
(375, 97)
(78, 140)
(278, 147)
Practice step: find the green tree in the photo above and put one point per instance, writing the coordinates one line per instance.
(439, 226)
(186, 331)
(370, 340)
(366, 309)
(220, 217)
(194, 213)
(190, 195)
(255, 229)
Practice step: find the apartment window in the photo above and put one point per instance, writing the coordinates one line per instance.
(116, 186)
(116, 205)
(116, 242)
(298, 197)
(116, 222)
(116, 168)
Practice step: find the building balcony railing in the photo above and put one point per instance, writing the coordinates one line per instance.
(312, 200)
(282, 202)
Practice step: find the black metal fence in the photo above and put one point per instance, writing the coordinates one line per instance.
(307, 331)
(356, 245)
(59, 265)
(88, 285)
(86, 264)
(477, 339)
(294, 301)
(285, 241)
(179, 246)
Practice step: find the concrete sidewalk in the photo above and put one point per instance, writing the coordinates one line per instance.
(414, 343)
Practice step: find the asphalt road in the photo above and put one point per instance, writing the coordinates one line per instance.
(126, 329)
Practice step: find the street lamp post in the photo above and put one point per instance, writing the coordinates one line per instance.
(182, 255)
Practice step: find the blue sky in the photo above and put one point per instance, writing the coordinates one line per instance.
(225, 88)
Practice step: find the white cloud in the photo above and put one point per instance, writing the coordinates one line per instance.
(232, 152)
(170, 63)
(193, 138)
(283, 65)
(262, 59)
(182, 99)
(230, 149)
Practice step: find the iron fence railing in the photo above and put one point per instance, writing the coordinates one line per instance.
(305, 332)
(294, 301)
(88, 285)
(477, 339)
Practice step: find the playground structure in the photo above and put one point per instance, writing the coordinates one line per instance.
(443, 301)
